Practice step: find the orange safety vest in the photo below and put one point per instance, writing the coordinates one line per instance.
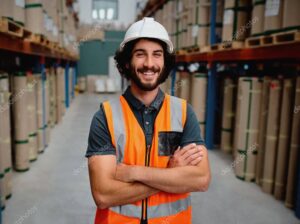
(128, 137)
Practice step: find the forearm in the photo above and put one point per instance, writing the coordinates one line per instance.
(172, 180)
(119, 193)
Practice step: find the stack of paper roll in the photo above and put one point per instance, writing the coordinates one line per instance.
(272, 131)
(294, 151)
(228, 115)
(291, 15)
(263, 115)
(284, 139)
(258, 17)
(32, 118)
(273, 15)
(249, 92)
(20, 113)
(5, 141)
(39, 109)
(198, 99)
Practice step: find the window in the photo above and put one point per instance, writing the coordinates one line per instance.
(105, 9)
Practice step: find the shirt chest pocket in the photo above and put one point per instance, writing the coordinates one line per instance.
(168, 142)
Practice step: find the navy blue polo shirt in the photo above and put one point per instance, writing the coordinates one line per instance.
(99, 141)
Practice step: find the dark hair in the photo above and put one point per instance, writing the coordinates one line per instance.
(123, 58)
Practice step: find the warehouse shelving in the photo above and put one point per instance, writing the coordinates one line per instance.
(277, 52)
(18, 45)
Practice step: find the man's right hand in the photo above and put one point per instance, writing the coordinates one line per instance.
(191, 154)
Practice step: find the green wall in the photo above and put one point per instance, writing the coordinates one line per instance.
(94, 54)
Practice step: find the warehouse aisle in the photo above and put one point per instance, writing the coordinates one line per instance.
(56, 189)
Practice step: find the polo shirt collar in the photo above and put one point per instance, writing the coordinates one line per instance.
(137, 104)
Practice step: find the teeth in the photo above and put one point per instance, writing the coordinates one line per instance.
(149, 73)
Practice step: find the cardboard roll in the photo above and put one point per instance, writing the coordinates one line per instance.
(19, 102)
(21, 152)
(2, 191)
(228, 115)
(47, 134)
(34, 17)
(82, 84)
(271, 141)
(184, 85)
(249, 91)
(40, 140)
(284, 139)
(263, 115)
(4, 86)
(291, 15)
(273, 15)
(8, 183)
(258, 15)
(33, 147)
(199, 93)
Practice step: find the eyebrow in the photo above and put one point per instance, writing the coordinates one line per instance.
(143, 50)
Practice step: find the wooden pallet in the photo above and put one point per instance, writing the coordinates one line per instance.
(204, 49)
(27, 34)
(181, 51)
(278, 38)
(253, 42)
(10, 27)
(193, 49)
(228, 45)
(286, 37)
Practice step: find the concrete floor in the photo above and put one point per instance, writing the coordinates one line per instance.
(56, 189)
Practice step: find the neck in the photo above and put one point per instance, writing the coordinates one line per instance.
(146, 97)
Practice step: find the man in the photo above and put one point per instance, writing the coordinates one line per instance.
(145, 151)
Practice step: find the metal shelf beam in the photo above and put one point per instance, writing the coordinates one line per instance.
(278, 51)
(18, 45)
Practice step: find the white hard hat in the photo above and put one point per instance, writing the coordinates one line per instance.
(147, 28)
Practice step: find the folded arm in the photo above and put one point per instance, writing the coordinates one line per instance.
(173, 180)
(106, 190)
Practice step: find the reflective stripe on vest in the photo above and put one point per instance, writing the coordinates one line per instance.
(119, 129)
(161, 210)
(176, 114)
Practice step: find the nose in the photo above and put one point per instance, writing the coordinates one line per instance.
(148, 62)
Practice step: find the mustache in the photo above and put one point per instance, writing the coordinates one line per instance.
(146, 69)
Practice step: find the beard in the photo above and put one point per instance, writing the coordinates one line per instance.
(146, 86)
